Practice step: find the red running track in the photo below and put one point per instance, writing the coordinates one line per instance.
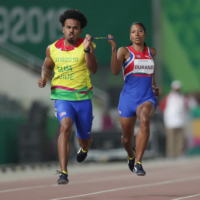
(165, 180)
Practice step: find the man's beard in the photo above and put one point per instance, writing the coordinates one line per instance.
(71, 41)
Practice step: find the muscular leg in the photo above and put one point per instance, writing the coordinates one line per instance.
(83, 123)
(64, 142)
(128, 125)
(85, 143)
(144, 112)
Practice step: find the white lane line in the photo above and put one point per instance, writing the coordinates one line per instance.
(25, 188)
(71, 183)
(131, 187)
(187, 197)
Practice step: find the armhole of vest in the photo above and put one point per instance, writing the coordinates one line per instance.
(52, 47)
(129, 56)
(149, 51)
(130, 52)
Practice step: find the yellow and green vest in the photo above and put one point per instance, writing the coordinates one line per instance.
(71, 80)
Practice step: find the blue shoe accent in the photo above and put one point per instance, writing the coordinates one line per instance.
(81, 155)
(132, 162)
(138, 169)
(63, 178)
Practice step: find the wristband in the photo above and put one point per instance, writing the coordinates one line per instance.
(87, 50)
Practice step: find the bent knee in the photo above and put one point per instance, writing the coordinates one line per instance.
(65, 128)
(145, 122)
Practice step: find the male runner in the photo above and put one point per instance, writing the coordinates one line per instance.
(73, 59)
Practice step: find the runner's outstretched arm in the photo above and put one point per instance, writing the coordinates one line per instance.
(117, 58)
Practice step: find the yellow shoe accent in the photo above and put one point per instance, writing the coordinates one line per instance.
(84, 151)
(139, 163)
(64, 172)
(131, 158)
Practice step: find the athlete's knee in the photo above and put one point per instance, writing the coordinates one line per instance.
(65, 128)
(144, 122)
(126, 140)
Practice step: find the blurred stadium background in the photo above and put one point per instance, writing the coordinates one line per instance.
(28, 127)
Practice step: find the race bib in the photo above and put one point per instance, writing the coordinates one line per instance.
(143, 66)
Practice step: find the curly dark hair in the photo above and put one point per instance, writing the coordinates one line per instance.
(73, 14)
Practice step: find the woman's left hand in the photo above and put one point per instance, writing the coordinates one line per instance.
(156, 90)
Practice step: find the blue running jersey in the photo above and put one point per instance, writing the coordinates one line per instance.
(137, 71)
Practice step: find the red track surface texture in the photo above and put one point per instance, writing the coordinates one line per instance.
(165, 180)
